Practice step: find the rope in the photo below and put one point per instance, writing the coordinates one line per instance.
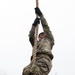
(35, 41)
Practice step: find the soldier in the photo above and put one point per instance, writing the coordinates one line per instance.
(45, 44)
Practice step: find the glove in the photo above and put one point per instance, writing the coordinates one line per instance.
(36, 22)
(38, 11)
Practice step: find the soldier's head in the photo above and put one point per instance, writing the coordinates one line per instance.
(42, 35)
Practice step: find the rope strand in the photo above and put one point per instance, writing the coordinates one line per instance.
(35, 41)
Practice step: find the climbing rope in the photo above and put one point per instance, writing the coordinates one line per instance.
(35, 41)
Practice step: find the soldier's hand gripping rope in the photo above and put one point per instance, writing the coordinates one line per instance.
(36, 22)
(38, 11)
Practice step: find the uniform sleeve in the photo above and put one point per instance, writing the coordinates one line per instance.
(46, 29)
(31, 35)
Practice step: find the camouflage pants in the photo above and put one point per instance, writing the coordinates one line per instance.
(42, 66)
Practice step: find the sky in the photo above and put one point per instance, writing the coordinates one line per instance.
(16, 18)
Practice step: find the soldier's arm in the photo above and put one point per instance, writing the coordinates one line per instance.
(31, 35)
(47, 29)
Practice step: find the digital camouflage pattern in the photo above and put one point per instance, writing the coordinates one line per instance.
(44, 55)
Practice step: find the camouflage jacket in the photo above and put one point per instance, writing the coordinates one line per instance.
(44, 45)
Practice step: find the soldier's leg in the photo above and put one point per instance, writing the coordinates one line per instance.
(45, 65)
(31, 69)
(35, 70)
(26, 70)
(42, 66)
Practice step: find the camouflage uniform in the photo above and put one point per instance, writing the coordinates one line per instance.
(44, 55)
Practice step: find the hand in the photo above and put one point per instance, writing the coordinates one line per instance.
(38, 11)
(36, 22)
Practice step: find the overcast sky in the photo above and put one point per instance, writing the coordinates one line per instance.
(16, 18)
